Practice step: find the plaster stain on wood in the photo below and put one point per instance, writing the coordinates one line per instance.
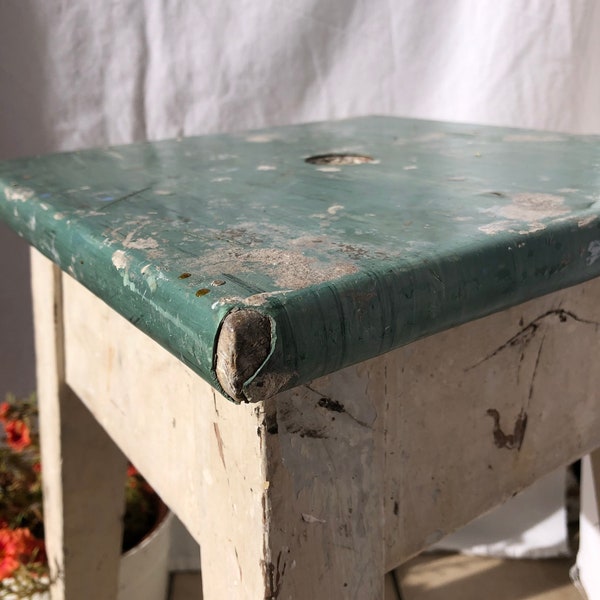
(289, 269)
(529, 208)
(512, 440)
(244, 342)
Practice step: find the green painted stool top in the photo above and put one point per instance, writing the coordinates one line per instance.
(417, 227)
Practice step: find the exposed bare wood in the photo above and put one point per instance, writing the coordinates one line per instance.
(243, 345)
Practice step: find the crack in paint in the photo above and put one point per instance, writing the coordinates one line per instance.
(527, 332)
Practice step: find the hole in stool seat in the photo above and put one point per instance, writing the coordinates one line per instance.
(339, 159)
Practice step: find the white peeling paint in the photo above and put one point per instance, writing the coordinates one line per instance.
(410, 167)
(164, 192)
(120, 260)
(586, 221)
(31, 223)
(226, 300)
(18, 193)
(532, 228)
(260, 299)
(266, 168)
(333, 210)
(220, 179)
(495, 227)
(594, 253)
(115, 154)
(58, 216)
(260, 138)
(152, 284)
(328, 169)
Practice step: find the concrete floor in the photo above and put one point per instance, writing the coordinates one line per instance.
(453, 577)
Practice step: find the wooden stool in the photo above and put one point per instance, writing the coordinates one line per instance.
(326, 346)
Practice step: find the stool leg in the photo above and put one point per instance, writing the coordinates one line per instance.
(83, 471)
(293, 506)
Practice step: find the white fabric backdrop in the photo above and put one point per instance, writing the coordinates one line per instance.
(81, 73)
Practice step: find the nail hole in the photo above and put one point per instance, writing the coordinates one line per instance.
(217, 282)
(185, 275)
(339, 159)
(202, 292)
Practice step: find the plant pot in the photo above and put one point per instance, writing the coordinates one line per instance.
(144, 570)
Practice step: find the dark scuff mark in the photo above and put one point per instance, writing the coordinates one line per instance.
(125, 197)
(513, 440)
(332, 405)
(237, 558)
(535, 370)
(220, 444)
(527, 332)
(271, 424)
(275, 576)
(308, 432)
(252, 289)
(335, 406)
(396, 508)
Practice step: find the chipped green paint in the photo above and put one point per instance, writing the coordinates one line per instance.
(348, 258)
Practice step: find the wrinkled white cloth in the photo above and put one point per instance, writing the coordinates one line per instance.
(83, 73)
(79, 73)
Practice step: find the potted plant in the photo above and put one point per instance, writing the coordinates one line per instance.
(24, 569)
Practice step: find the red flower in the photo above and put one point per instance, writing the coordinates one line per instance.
(4, 409)
(18, 436)
(18, 547)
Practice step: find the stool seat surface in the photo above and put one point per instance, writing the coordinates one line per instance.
(398, 229)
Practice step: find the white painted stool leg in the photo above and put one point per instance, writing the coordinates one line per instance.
(83, 470)
(294, 502)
